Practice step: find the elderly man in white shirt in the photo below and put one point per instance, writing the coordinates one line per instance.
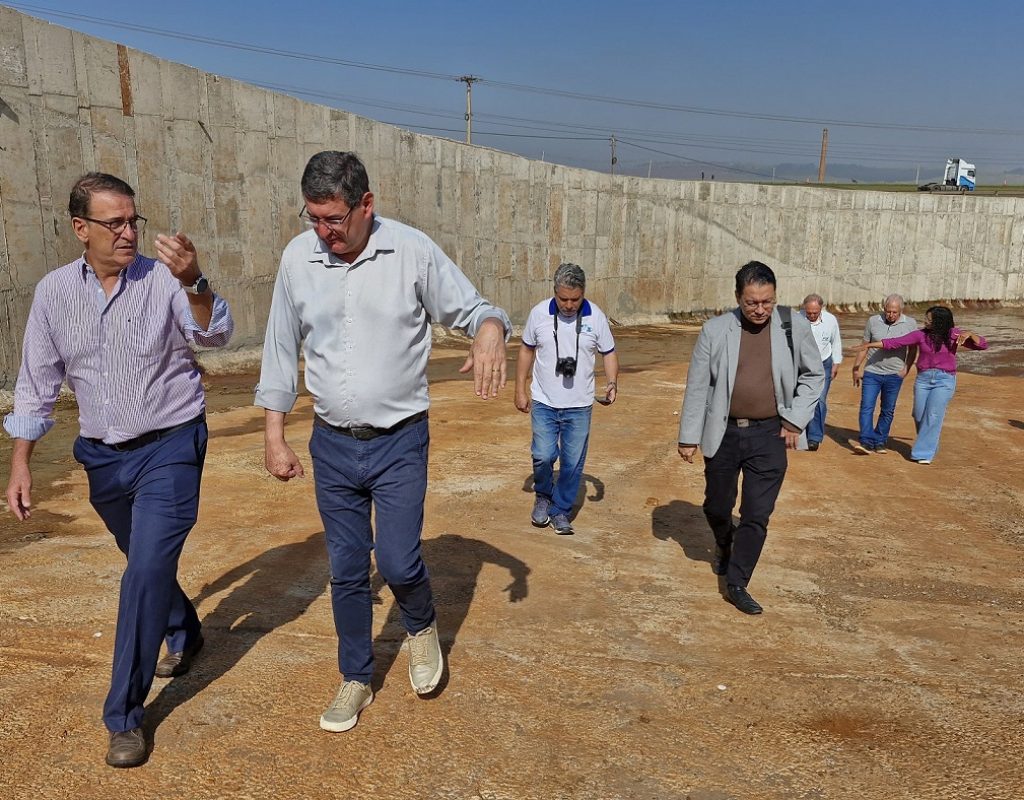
(825, 328)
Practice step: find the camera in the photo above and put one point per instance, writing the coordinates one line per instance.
(566, 366)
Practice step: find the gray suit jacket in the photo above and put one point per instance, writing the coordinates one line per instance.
(712, 374)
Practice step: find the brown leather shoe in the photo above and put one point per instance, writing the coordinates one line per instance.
(127, 749)
(174, 664)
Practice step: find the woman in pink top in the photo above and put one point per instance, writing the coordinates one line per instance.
(937, 345)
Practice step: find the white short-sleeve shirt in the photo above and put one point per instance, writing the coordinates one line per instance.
(559, 391)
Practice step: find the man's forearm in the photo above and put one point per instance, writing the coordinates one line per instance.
(524, 364)
(201, 306)
(611, 368)
(21, 455)
(273, 425)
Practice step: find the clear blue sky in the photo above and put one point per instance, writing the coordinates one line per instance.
(932, 64)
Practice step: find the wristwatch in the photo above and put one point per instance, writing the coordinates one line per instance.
(199, 287)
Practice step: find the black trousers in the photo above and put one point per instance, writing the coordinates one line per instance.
(759, 452)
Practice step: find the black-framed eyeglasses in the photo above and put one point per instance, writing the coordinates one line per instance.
(334, 224)
(117, 226)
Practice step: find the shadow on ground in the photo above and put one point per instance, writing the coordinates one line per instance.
(455, 563)
(280, 585)
(684, 524)
(842, 437)
(581, 493)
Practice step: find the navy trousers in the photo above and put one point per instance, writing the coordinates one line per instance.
(149, 499)
(389, 473)
(759, 453)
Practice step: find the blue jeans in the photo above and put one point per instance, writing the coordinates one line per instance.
(563, 434)
(933, 390)
(388, 472)
(816, 427)
(888, 386)
(149, 499)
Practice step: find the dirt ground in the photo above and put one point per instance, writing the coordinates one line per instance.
(887, 663)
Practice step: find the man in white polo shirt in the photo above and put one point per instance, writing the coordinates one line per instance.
(561, 340)
(825, 328)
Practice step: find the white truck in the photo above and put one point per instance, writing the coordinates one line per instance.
(959, 177)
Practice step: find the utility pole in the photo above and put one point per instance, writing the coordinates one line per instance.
(469, 80)
(824, 150)
(614, 159)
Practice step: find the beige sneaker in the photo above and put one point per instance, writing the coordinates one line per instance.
(343, 712)
(425, 660)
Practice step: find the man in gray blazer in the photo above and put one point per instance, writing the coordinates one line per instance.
(754, 381)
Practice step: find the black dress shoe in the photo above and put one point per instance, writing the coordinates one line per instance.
(174, 664)
(812, 446)
(720, 561)
(127, 749)
(740, 598)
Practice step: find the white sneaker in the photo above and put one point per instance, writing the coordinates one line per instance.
(924, 461)
(859, 447)
(426, 663)
(343, 712)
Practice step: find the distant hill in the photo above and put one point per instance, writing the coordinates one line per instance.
(789, 172)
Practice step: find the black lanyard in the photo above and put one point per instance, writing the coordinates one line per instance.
(579, 326)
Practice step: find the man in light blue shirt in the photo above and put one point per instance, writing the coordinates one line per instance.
(825, 328)
(359, 292)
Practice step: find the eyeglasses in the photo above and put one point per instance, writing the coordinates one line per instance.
(117, 226)
(752, 304)
(334, 224)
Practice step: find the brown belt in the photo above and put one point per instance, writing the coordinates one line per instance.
(365, 432)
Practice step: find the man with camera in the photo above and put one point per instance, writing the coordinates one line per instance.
(560, 341)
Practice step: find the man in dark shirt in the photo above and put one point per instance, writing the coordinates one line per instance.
(752, 387)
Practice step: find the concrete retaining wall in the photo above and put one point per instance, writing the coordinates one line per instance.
(221, 160)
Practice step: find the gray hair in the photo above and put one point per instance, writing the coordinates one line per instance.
(570, 276)
(814, 298)
(893, 298)
(334, 175)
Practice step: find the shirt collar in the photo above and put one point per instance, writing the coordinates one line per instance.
(585, 310)
(87, 269)
(380, 241)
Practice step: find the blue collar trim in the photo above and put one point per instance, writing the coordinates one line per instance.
(585, 309)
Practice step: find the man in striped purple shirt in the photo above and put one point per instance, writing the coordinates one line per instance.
(116, 326)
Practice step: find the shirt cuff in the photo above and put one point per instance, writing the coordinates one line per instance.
(499, 315)
(220, 324)
(21, 426)
(275, 399)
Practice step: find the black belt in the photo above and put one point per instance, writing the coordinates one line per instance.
(364, 432)
(147, 438)
(744, 422)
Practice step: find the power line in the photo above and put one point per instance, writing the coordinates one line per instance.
(233, 45)
(518, 87)
(695, 160)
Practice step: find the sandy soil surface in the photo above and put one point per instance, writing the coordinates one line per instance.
(887, 663)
